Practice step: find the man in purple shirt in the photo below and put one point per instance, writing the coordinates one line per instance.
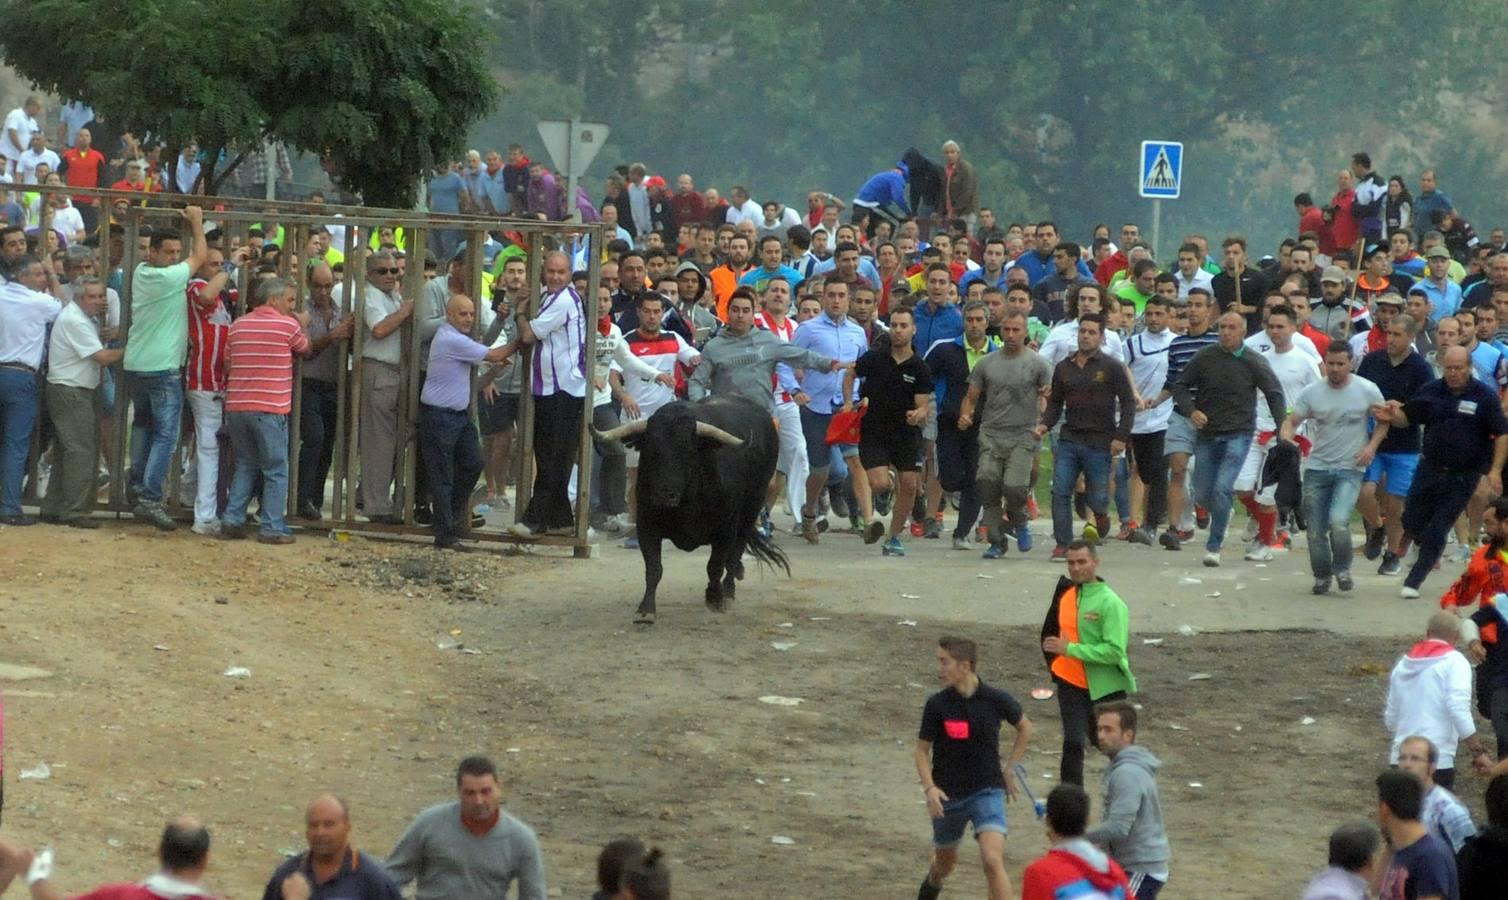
(450, 447)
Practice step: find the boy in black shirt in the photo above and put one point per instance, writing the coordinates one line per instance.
(958, 761)
(897, 390)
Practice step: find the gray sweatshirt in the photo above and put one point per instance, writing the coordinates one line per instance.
(451, 862)
(1132, 830)
(746, 365)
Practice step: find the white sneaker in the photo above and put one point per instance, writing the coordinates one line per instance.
(1408, 593)
(1258, 551)
(1212, 559)
(1251, 530)
(519, 529)
(209, 529)
(1462, 553)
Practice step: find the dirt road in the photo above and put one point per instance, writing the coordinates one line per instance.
(373, 667)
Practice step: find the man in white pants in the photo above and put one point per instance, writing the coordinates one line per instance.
(792, 467)
(204, 383)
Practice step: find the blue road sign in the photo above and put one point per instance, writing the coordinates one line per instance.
(1161, 169)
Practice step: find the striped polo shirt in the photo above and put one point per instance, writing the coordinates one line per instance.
(260, 349)
(560, 354)
(209, 326)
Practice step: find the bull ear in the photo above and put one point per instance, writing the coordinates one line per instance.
(709, 431)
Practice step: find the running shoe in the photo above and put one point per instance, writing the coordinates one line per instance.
(1373, 547)
(1023, 538)
(1059, 553)
(893, 547)
(995, 551)
(1201, 518)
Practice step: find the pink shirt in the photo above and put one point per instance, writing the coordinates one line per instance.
(260, 353)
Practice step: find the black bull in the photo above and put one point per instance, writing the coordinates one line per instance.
(704, 469)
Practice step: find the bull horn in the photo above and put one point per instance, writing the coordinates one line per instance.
(622, 431)
(707, 430)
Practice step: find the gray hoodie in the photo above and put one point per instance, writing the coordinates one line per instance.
(1132, 830)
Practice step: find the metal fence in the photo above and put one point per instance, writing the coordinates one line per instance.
(235, 218)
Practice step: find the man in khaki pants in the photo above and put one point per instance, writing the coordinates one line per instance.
(75, 356)
(384, 315)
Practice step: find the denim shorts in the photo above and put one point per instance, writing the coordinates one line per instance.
(986, 809)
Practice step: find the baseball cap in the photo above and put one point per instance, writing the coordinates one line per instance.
(1390, 299)
(1334, 274)
(1438, 252)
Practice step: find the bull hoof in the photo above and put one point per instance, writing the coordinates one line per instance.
(715, 599)
(738, 570)
(644, 617)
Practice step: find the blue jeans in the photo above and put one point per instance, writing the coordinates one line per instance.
(1123, 489)
(1217, 462)
(260, 442)
(1329, 497)
(1068, 460)
(19, 408)
(158, 400)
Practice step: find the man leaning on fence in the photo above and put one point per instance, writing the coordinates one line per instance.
(155, 355)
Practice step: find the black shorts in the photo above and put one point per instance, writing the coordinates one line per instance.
(497, 415)
(900, 448)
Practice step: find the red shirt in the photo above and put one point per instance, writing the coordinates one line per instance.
(1320, 339)
(260, 350)
(209, 328)
(84, 170)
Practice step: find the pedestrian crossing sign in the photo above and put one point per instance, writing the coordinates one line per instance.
(1161, 169)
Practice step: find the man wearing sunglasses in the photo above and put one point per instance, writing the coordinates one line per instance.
(384, 314)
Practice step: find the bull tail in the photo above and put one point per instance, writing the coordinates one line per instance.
(765, 551)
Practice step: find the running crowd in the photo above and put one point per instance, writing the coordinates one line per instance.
(915, 350)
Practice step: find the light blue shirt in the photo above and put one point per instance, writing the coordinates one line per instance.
(1446, 300)
(843, 341)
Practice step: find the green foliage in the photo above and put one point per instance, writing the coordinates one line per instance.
(1050, 99)
(382, 89)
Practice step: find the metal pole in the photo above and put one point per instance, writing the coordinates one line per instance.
(270, 155)
(355, 294)
(413, 373)
(123, 384)
(297, 236)
(1156, 227)
(525, 441)
(584, 449)
(343, 434)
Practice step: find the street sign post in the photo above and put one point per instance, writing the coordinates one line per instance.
(572, 145)
(1160, 177)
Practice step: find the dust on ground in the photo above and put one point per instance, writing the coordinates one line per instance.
(375, 666)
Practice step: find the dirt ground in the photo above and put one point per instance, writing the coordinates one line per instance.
(375, 666)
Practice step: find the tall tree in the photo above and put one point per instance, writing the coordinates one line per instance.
(382, 90)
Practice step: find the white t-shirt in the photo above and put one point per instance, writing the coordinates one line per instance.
(1063, 341)
(1338, 417)
(27, 164)
(68, 220)
(1261, 343)
(1295, 370)
(1147, 357)
(75, 340)
(24, 126)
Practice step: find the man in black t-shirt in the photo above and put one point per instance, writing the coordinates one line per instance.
(897, 392)
(958, 761)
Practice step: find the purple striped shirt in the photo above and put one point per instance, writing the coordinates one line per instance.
(560, 351)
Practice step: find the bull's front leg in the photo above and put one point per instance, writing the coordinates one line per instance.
(649, 548)
(715, 565)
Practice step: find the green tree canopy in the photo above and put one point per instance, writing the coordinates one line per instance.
(1049, 99)
(381, 90)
